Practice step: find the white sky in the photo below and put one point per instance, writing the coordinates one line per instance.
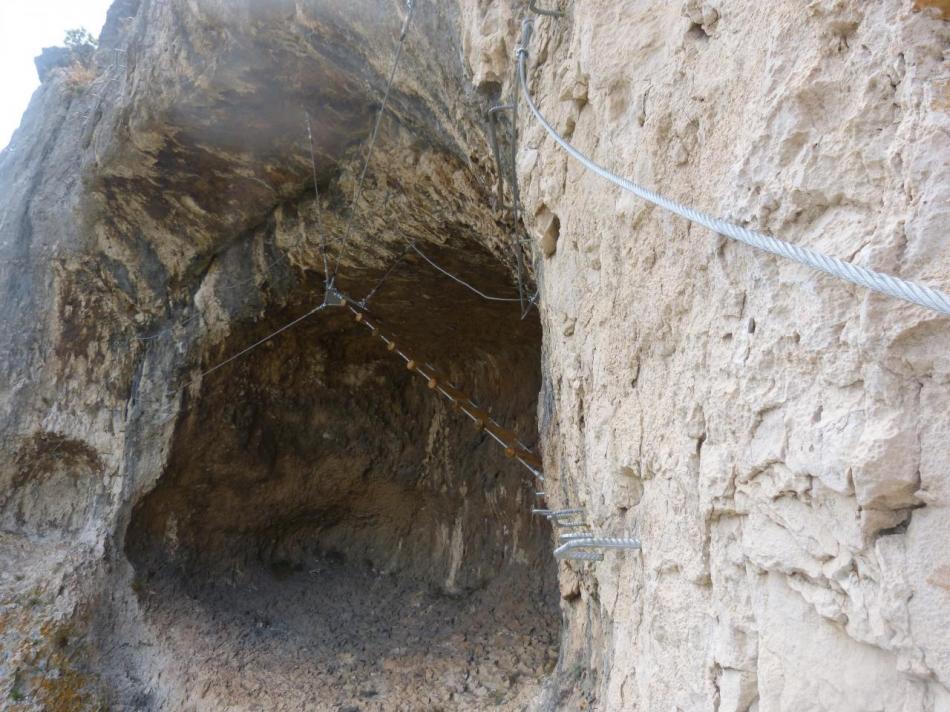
(26, 26)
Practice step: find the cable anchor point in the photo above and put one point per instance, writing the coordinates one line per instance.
(334, 297)
(533, 5)
(527, 29)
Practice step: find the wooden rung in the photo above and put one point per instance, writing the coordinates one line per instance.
(461, 402)
(530, 458)
(477, 413)
(506, 436)
(451, 392)
(438, 374)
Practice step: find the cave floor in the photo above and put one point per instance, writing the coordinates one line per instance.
(340, 636)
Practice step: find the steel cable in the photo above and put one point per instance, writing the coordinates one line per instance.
(922, 295)
(372, 141)
(461, 281)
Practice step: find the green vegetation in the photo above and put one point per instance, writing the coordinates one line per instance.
(79, 38)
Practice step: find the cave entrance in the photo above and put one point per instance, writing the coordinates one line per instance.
(329, 534)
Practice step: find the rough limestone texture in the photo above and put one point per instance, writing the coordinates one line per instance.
(310, 527)
(776, 438)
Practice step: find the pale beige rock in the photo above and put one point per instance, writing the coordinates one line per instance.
(786, 428)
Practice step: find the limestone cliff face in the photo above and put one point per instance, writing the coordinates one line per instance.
(776, 438)
(310, 527)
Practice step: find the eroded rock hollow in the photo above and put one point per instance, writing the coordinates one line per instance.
(376, 546)
(306, 526)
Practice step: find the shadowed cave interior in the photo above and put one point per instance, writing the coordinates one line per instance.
(327, 527)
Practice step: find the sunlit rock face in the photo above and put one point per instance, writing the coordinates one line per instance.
(309, 526)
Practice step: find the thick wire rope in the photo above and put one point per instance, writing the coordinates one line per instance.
(922, 295)
(533, 4)
(372, 141)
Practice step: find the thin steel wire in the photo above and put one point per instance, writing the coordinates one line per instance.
(243, 352)
(168, 395)
(316, 204)
(392, 268)
(462, 281)
(372, 141)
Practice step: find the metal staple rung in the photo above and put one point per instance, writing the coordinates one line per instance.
(561, 513)
(596, 543)
(583, 556)
(571, 536)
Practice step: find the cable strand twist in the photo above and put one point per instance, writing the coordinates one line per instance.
(919, 294)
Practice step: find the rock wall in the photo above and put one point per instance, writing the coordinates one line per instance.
(308, 527)
(775, 437)
(307, 522)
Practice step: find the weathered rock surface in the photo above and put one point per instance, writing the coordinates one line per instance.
(309, 528)
(776, 438)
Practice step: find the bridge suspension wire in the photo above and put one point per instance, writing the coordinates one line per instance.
(576, 545)
(389, 272)
(919, 294)
(411, 5)
(316, 203)
(436, 381)
(243, 352)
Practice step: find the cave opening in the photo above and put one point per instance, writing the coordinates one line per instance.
(327, 527)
